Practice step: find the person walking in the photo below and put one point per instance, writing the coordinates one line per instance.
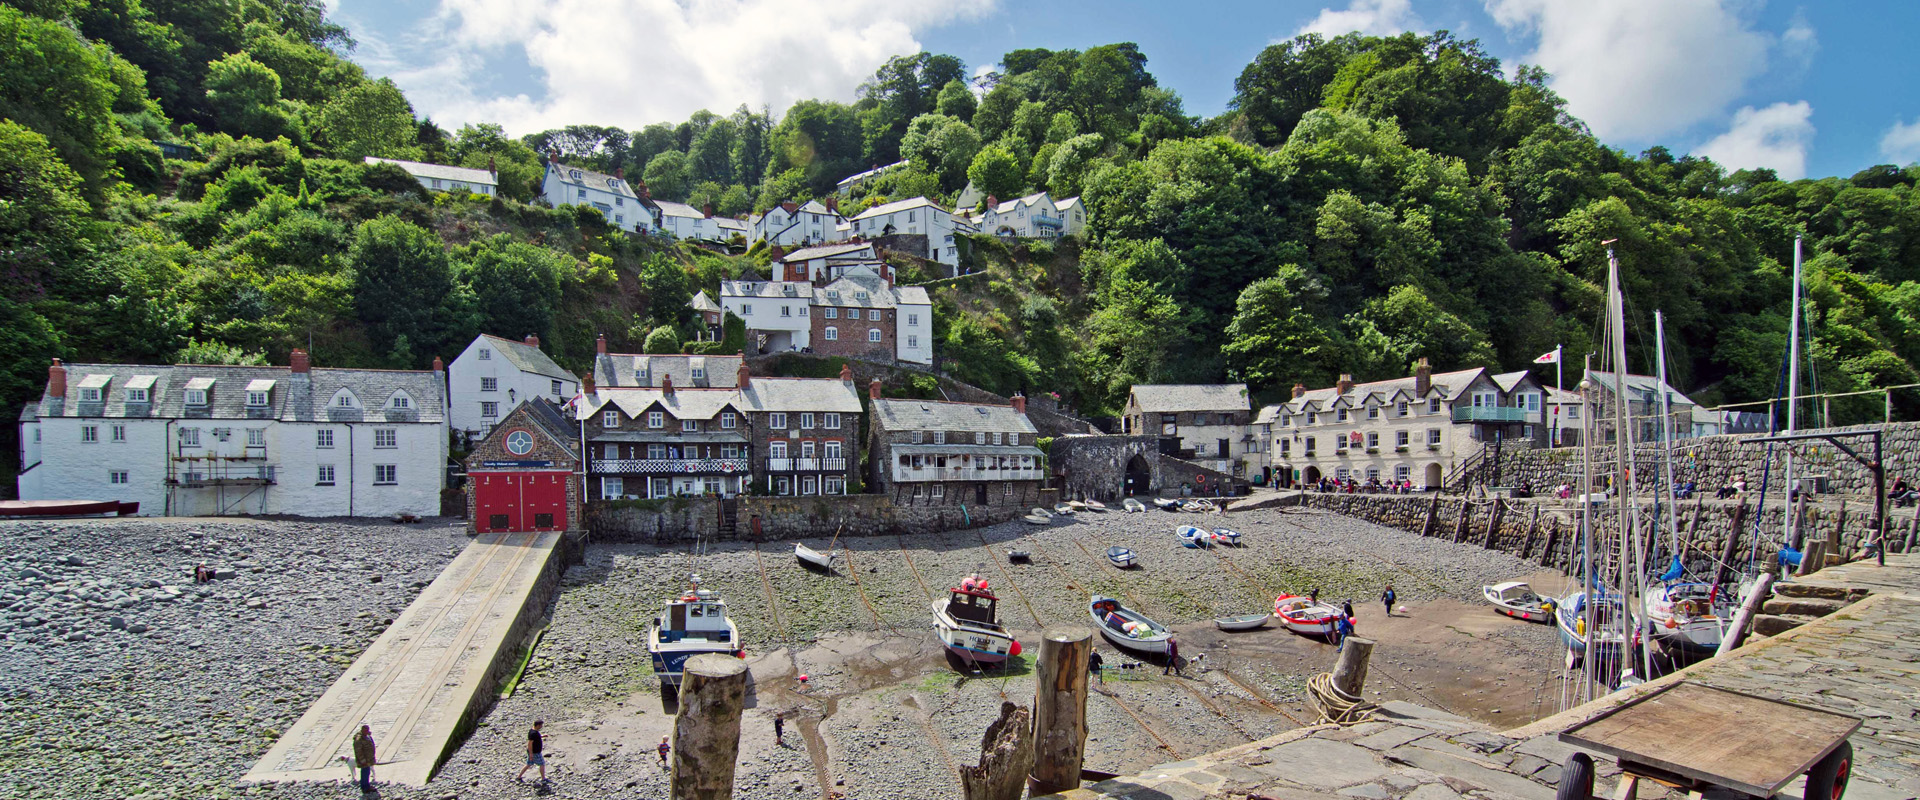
(1387, 597)
(1173, 658)
(363, 757)
(536, 754)
(780, 728)
(1342, 628)
(664, 749)
(1346, 610)
(1097, 666)
(1314, 595)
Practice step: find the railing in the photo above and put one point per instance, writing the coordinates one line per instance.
(263, 475)
(669, 466)
(806, 465)
(909, 474)
(1494, 414)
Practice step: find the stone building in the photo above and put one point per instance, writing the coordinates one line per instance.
(1601, 390)
(1419, 428)
(1212, 422)
(941, 453)
(525, 475)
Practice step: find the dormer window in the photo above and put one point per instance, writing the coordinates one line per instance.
(89, 395)
(614, 184)
(640, 375)
(137, 395)
(401, 401)
(699, 373)
(256, 399)
(196, 397)
(574, 174)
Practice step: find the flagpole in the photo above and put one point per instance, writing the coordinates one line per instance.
(1559, 370)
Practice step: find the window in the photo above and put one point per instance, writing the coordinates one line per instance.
(345, 401)
(136, 395)
(919, 462)
(1286, 445)
(1373, 412)
(1433, 436)
(1573, 412)
(700, 373)
(1400, 438)
(386, 437)
(833, 313)
(836, 486)
(89, 395)
(386, 474)
(830, 421)
(873, 334)
(913, 341)
(809, 484)
(323, 437)
(402, 401)
(727, 420)
(786, 310)
(909, 216)
(1373, 439)
(874, 315)
(119, 432)
(1402, 408)
(1340, 415)
(833, 448)
(777, 420)
(653, 451)
(689, 426)
(833, 334)
(489, 409)
(806, 421)
(1313, 418)
(1373, 473)
(979, 437)
(324, 477)
(256, 399)
(118, 476)
(90, 433)
(485, 354)
(1433, 406)
(656, 419)
(999, 438)
(746, 309)
(196, 397)
(913, 319)
(190, 437)
(256, 437)
(1309, 448)
(938, 491)
(557, 388)
(777, 449)
(620, 201)
(489, 384)
(729, 451)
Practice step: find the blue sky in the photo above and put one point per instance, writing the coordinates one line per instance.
(1807, 88)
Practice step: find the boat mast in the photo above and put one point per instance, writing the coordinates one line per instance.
(1586, 539)
(1623, 456)
(1666, 414)
(1793, 391)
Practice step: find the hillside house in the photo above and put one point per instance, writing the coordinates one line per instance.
(194, 440)
(495, 374)
(443, 178)
(915, 217)
(1035, 216)
(834, 299)
(793, 225)
(1211, 421)
(686, 222)
(933, 452)
(624, 208)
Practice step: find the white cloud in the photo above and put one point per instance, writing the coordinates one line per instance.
(1776, 137)
(1901, 143)
(634, 62)
(1639, 69)
(1369, 17)
(1799, 43)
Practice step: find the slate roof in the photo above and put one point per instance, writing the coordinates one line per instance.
(1008, 206)
(861, 176)
(292, 398)
(421, 169)
(542, 414)
(898, 205)
(1644, 387)
(761, 394)
(1067, 204)
(528, 358)
(615, 370)
(801, 394)
(701, 302)
(848, 291)
(731, 224)
(1446, 385)
(825, 250)
(769, 289)
(938, 415)
(673, 209)
(596, 180)
(1268, 415)
(1174, 398)
(1507, 380)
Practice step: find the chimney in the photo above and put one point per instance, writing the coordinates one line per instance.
(1422, 377)
(57, 379)
(586, 385)
(846, 373)
(620, 172)
(438, 365)
(600, 344)
(553, 156)
(873, 389)
(666, 384)
(299, 362)
(533, 339)
(790, 206)
(1299, 390)
(1346, 383)
(833, 205)
(1019, 403)
(992, 202)
(492, 170)
(643, 190)
(707, 210)
(776, 252)
(746, 375)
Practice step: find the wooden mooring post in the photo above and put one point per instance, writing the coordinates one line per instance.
(1006, 758)
(1553, 538)
(1060, 710)
(1533, 529)
(1493, 522)
(1460, 525)
(706, 733)
(1350, 673)
(1433, 516)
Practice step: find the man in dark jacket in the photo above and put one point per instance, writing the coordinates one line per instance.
(363, 757)
(1388, 597)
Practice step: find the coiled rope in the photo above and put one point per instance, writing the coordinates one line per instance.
(1336, 706)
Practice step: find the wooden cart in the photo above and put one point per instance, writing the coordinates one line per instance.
(1695, 738)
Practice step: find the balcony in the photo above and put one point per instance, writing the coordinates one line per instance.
(964, 473)
(1493, 414)
(670, 466)
(806, 465)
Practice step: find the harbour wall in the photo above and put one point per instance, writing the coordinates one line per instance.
(772, 518)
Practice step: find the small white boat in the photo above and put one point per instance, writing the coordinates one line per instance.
(1062, 510)
(1518, 600)
(1120, 557)
(1302, 614)
(1166, 503)
(1570, 617)
(811, 557)
(1127, 629)
(1040, 512)
(1036, 519)
(694, 623)
(1077, 505)
(1132, 506)
(1016, 555)
(1689, 617)
(1191, 536)
(968, 626)
(1226, 536)
(1095, 506)
(1244, 622)
(1199, 506)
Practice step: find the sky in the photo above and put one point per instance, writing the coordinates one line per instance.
(1809, 89)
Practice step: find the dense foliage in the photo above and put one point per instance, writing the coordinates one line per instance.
(185, 181)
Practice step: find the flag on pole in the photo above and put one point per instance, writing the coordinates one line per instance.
(1549, 358)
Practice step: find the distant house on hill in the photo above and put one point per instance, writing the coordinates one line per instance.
(686, 222)
(624, 208)
(917, 216)
(442, 178)
(1036, 216)
(790, 224)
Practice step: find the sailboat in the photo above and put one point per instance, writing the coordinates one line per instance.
(1685, 618)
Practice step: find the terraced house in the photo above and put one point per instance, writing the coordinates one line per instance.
(1423, 428)
(194, 440)
(781, 436)
(495, 374)
(1210, 421)
(932, 452)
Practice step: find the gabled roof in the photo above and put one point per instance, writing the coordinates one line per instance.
(1174, 398)
(528, 358)
(940, 415)
(1641, 385)
(578, 176)
(859, 287)
(730, 224)
(541, 415)
(825, 250)
(421, 169)
(1008, 206)
(1067, 204)
(827, 395)
(701, 302)
(681, 404)
(1507, 380)
(800, 394)
(291, 397)
(614, 370)
(769, 289)
(898, 205)
(1268, 414)
(1444, 384)
(673, 209)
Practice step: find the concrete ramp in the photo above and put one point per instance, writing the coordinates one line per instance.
(426, 679)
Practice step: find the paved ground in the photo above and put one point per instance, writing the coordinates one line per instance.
(413, 684)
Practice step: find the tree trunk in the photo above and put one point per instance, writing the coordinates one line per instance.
(1060, 709)
(1006, 758)
(706, 734)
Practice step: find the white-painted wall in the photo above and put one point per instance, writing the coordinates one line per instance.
(932, 221)
(800, 226)
(622, 211)
(465, 393)
(913, 340)
(777, 314)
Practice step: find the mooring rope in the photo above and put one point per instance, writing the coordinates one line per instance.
(1336, 706)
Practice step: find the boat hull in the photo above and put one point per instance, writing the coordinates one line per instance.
(1694, 634)
(1193, 537)
(1246, 623)
(1155, 644)
(1311, 619)
(670, 665)
(812, 557)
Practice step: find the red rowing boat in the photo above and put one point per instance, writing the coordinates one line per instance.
(27, 509)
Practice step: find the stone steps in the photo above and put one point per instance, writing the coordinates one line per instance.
(1802, 606)
(1818, 590)
(1776, 624)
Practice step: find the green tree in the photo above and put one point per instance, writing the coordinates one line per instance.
(662, 340)
(1067, 169)
(245, 94)
(670, 175)
(212, 352)
(942, 146)
(515, 286)
(956, 101)
(1407, 326)
(60, 87)
(369, 119)
(668, 291)
(402, 280)
(996, 172)
(1276, 340)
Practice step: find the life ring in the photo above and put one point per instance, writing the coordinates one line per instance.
(690, 467)
(1200, 478)
(727, 467)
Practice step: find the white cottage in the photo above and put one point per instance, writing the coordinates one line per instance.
(609, 194)
(191, 440)
(790, 224)
(1035, 216)
(918, 216)
(493, 375)
(443, 178)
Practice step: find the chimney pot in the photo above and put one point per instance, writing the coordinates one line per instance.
(438, 365)
(620, 172)
(1299, 390)
(790, 206)
(533, 339)
(57, 379)
(746, 375)
(299, 362)
(846, 373)
(873, 389)
(1422, 377)
(1019, 403)
(833, 205)
(1346, 383)
(600, 344)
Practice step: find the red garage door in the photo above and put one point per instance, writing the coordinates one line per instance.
(519, 501)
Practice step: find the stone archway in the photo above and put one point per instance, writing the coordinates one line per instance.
(1139, 476)
(1434, 477)
(1311, 476)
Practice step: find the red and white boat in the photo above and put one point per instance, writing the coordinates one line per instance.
(1305, 615)
(968, 626)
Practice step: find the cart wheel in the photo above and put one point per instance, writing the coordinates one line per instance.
(1576, 778)
(1828, 779)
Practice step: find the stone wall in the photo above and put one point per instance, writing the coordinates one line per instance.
(774, 518)
(1547, 531)
(1095, 466)
(1713, 461)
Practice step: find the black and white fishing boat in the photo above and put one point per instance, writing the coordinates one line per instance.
(695, 622)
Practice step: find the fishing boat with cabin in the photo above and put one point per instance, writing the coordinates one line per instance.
(968, 625)
(695, 622)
